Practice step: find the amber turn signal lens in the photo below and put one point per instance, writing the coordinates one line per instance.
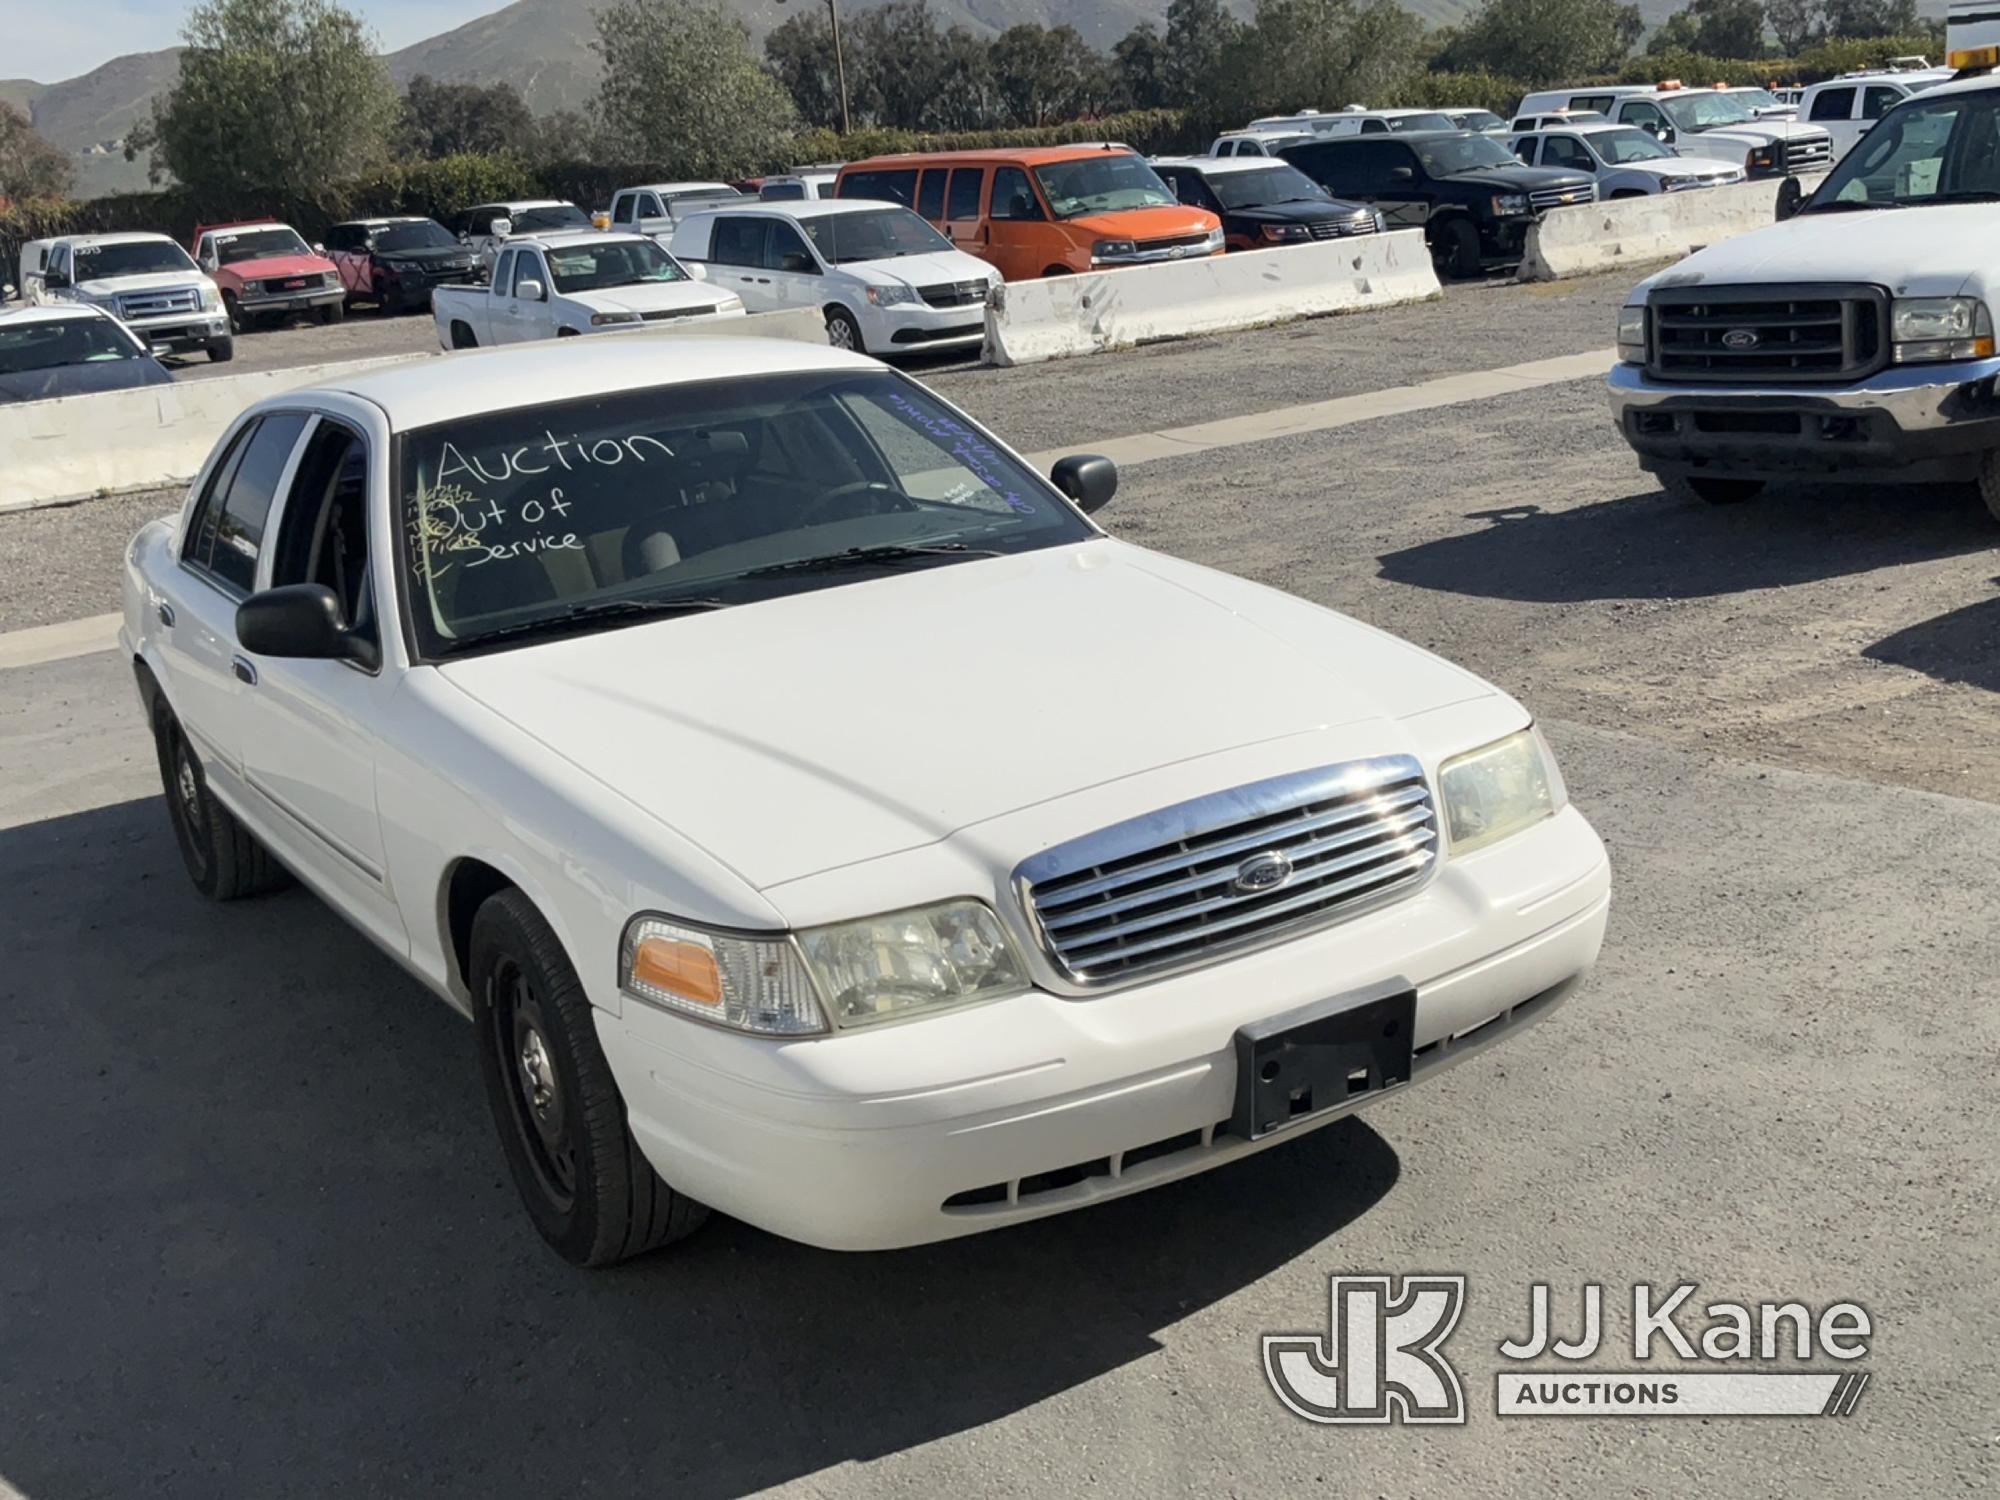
(680, 968)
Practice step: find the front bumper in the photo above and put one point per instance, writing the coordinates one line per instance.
(182, 333)
(302, 300)
(1029, 1106)
(917, 325)
(1913, 424)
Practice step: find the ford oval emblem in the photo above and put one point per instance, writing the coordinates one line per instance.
(1261, 872)
(1741, 338)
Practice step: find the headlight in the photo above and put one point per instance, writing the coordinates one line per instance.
(925, 959)
(1632, 333)
(1763, 156)
(904, 963)
(1679, 184)
(892, 296)
(1499, 790)
(1508, 204)
(1113, 249)
(252, 288)
(211, 299)
(1929, 328)
(605, 320)
(329, 278)
(747, 983)
(1217, 239)
(1286, 232)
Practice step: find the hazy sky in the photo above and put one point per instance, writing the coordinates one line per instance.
(50, 42)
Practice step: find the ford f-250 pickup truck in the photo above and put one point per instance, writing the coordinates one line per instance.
(670, 710)
(1853, 339)
(556, 285)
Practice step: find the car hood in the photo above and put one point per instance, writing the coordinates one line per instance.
(157, 281)
(1301, 211)
(441, 255)
(1758, 132)
(658, 296)
(1915, 252)
(276, 266)
(1520, 179)
(848, 723)
(82, 380)
(919, 270)
(1162, 223)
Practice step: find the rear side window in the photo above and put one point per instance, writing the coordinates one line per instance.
(930, 194)
(231, 526)
(966, 184)
(1599, 102)
(1832, 104)
(897, 185)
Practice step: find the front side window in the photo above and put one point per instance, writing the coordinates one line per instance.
(256, 244)
(1832, 104)
(786, 251)
(1401, 123)
(1013, 196)
(872, 234)
(131, 258)
(1568, 151)
(231, 522)
(1878, 100)
(1621, 146)
(527, 276)
(729, 493)
(45, 344)
(1470, 153)
(1109, 183)
(1928, 150)
(594, 267)
(323, 536)
(1708, 110)
(1643, 115)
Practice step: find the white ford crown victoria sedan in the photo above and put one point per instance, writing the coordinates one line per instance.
(817, 815)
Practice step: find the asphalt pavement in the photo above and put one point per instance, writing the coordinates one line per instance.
(260, 1241)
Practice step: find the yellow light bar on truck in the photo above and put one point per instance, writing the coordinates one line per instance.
(1973, 57)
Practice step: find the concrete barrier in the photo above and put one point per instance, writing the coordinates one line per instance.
(805, 324)
(1058, 316)
(1633, 231)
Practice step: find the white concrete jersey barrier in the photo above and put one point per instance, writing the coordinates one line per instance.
(1058, 316)
(78, 446)
(1568, 242)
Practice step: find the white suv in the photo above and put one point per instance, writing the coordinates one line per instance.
(1846, 108)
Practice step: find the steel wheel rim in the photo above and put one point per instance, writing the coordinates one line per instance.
(537, 1103)
(189, 814)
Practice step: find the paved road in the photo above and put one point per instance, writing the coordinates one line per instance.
(259, 1241)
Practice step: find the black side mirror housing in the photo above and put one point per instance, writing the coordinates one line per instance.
(301, 621)
(54, 279)
(1090, 479)
(1401, 174)
(1791, 193)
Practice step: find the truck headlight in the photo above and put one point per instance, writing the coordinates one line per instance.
(1932, 328)
(754, 983)
(1113, 250)
(608, 319)
(1763, 158)
(926, 959)
(892, 296)
(211, 299)
(1506, 205)
(1632, 333)
(1498, 790)
(252, 288)
(1281, 232)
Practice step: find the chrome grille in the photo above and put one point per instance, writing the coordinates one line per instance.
(1176, 242)
(1333, 229)
(1541, 200)
(158, 304)
(1783, 333)
(1809, 153)
(666, 313)
(954, 294)
(1180, 886)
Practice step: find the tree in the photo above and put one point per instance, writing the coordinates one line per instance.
(1713, 28)
(1545, 41)
(1325, 54)
(566, 135)
(29, 166)
(799, 54)
(276, 99)
(1044, 74)
(1860, 19)
(451, 119)
(895, 62)
(681, 86)
(966, 96)
(1200, 34)
(1797, 24)
(1137, 61)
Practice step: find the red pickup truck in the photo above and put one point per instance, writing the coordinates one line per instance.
(267, 272)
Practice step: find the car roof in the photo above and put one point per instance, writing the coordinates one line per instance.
(477, 382)
(1222, 166)
(1579, 127)
(803, 208)
(527, 203)
(54, 313)
(1020, 156)
(128, 237)
(1972, 85)
(562, 239)
(679, 187)
(382, 222)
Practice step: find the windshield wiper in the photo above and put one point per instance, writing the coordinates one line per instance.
(1844, 205)
(1967, 195)
(583, 614)
(862, 557)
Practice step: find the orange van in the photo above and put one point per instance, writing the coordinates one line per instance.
(1045, 211)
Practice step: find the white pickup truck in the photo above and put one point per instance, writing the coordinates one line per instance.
(682, 716)
(1853, 340)
(146, 281)
(556, 285)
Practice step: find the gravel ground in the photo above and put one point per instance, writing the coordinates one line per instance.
(362, 334)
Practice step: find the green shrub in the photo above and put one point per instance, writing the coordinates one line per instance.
(1470, 90)
(1149, 130)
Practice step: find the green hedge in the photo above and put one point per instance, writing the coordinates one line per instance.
(1149, 130)
(1475, 90)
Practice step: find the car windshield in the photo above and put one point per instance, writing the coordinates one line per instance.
(1102, 185)
(1401, 123)
(1261, 185)
(257, 244)
(541, 220)
(593, 267)
(1930, 150)
(48, 342)
(131, 258)
(878, 234)
(428, 235)
(1626, 144)
(1464, 154)
(584, 514)
(1705, 111)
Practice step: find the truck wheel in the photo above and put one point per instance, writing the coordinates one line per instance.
(333, 312)
(461, 336)
(585, 1183)
(223, 859)
(843, 332)
(221, 351)
(1989, 483)
(1455, 248)
(1687, 487)
(237, 324)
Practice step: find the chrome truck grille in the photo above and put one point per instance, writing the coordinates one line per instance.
(1809, 153)
(1230, 871)
(1335, 229)
(158, 304)
(954, 294)
(1541, 200)
(1785, 334)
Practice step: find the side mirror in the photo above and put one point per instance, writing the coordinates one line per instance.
(530, 291)
(301, 621)
(500, 228)
(1400, 174)
(797, 260)
(1667, 136)
(318, 248)
(54, 279)
(695, 268)
(1790, 195)
(1087, 478)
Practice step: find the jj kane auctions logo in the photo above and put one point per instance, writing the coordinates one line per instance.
(1382, 1357)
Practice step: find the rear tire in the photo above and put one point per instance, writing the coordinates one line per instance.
(1989, 483)
(583, 1179)
(843, 332)
(1690, 487)
(223, 859)
(221, 351)
(1455, 248)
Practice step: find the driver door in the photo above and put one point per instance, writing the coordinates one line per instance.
(1399, 183)
(1015, 234)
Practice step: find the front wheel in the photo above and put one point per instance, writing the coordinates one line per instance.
(237, 322)
(589, 1189)
(332, 312)
(843, 332)
(1989, 483)
(221, 351)
(1455, 248)
(1709, 491)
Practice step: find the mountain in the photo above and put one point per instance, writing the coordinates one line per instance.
(87, 114)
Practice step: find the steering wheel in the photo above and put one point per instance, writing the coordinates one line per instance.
(810, 515)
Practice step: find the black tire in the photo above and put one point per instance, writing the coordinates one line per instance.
(333, 312)
(393, 304)
(221, 351)
(1455, 248)
(1988, 484)
(1627, 193)
(1710, 491)
(461, 335)
(589, 1189)
(1057, 271)
(237, 322)
(223, 859)
(843, 332)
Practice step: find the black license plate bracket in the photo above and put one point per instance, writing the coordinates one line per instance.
(1295, 1067)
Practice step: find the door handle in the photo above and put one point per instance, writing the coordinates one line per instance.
(245, 673)
(166, 613)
